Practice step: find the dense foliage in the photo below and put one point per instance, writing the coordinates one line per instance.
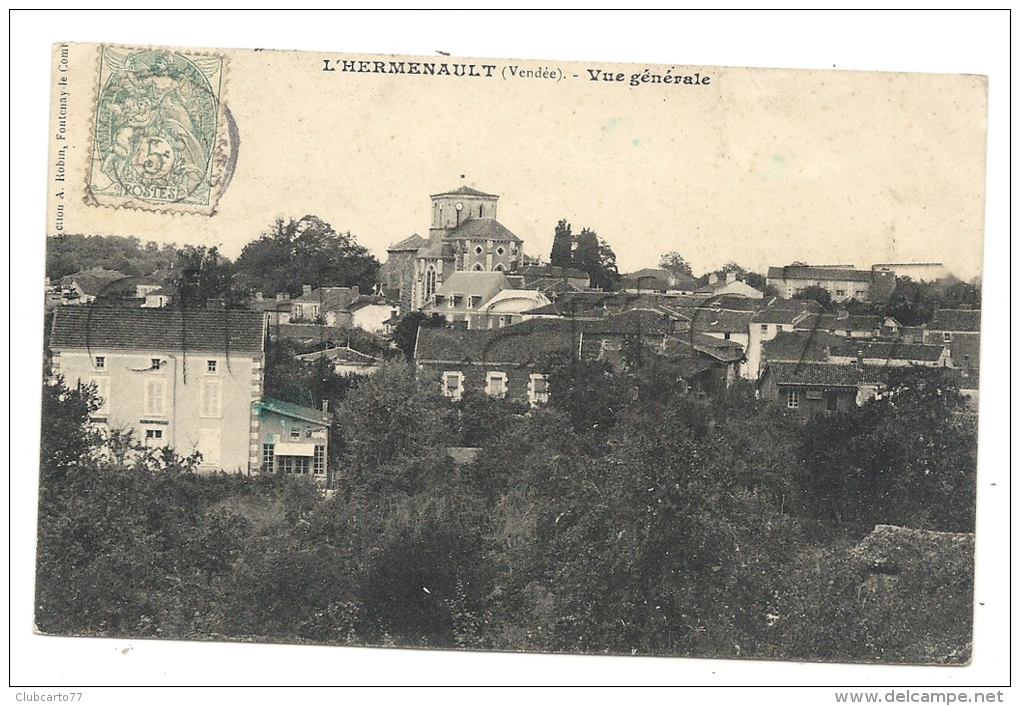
(67, 254)
(305, 251)
(621, 518)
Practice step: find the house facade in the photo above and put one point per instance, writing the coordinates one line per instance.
(842, 282)
(294, 440)
(181, 378)
(810, 388)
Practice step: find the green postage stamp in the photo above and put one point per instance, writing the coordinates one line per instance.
(159, 138)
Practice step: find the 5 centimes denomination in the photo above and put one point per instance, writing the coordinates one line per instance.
(158, 130)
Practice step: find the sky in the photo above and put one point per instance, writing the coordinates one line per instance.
(760, 166)
(772, 192)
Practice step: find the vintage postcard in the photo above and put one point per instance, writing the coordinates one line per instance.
(511, 355)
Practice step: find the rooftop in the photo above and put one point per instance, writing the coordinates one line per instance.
(964, 320)
(157, 329)
(294, 411)
(465, 191)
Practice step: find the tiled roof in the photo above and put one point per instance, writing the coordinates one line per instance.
(776, 315)
(552, 271)
(837, 274)
(95, 280)
(720, 321)
(524, 344)
(331, 298)
(956, 320)
(825, 374)
(163, 329)
(474, 284)
(888, 350)
(482, 229)
(294, 411)
(851, 322)
(412, 242)
(464, 191)
(800, 346)
(343, 354)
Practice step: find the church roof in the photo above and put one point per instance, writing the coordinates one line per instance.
(465, 191)
(411, 242)
(482, 229)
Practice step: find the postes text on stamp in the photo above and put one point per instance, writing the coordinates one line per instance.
(158, 130)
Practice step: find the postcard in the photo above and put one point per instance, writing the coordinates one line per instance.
(454, 353)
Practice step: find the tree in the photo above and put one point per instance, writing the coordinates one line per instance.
(674, 263)
(818, 294)
(594, 256)
(405, 334)
(561, 255)
(906, 459)
(307, 251)
(199, 274)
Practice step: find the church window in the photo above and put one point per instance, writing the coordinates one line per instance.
(479, 210)
(499, 267)
(478, 250)
(478, 267)
(430, 283)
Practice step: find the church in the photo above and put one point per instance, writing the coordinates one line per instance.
(464, 237)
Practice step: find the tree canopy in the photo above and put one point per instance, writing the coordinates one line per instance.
(675, 263)
(563, 243)
(305, 251)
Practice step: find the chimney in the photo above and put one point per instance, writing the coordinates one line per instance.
(258, 296)
(306, 289)
(860, 359)
(355, 291)
(731, 277)
(325, 406)
(282, 297)
(713, 278)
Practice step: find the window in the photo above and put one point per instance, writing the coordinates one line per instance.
(479, 210)
(840, 292)
(538, 390)
(268, 451)
(210, 399)
(295, 432)
(500, 250)
(947, 337)
(210, 367)
(209, 446)
(478, 267)
(499, 267)
(153, 437)
(453, 385)
(319, 460)
(430, 283)
(793, 399)
(726, 335)
(764, 328)
(859, 293)
(495, 384)
(155, 394)
(470, 303)
(450, 302)
(155, 363)
(100, 362)
(478, 250)
(298, 465)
